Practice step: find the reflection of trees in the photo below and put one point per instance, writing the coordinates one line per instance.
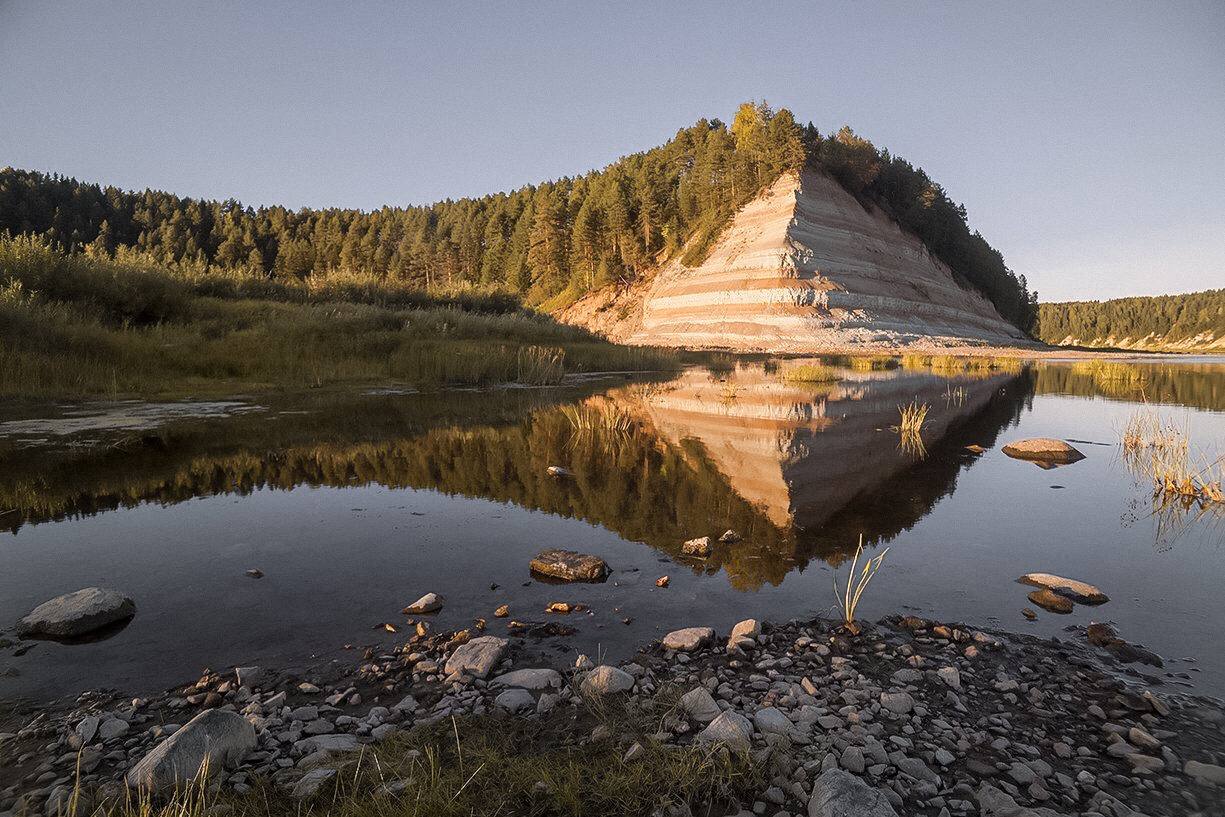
(628, 476)
(1198, 385)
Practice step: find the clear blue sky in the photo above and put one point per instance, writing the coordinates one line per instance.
(1085, 139)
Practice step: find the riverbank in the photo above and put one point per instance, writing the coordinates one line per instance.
(938, 719)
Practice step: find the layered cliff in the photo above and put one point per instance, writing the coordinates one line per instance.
(804, 267)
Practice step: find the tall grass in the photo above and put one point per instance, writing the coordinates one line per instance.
(811, 373)
(75, 326)
(1157, 449)
(910, 428)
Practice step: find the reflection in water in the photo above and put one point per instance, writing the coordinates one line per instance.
(795, 471)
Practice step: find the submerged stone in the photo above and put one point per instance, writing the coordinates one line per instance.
(1051, 601)
(75, 614)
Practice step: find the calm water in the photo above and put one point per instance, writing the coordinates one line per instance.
(353, 505)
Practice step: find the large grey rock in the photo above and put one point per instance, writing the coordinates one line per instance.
(1072, 589)
(569, 566)
(993, 802)
(1205, 772)
(76, 614)
(700, 705)
(515, 700)
(606, 680)
(841, 794)
(769, 720)
(689, 639)
(899, 703)
(536, 679)
(309, 784)
(731, 729)
(478, 657)
(215, 739)
(327, 743)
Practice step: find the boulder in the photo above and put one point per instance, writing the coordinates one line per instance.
(1205, 772)
(215, 739)
(76, 614)
(1043, 450)
(688, 639)
(569, 566)
(529, 679)
(697, 547)
(309, 784)
(700, 705)
(731, 729)
(606, 680)
(769, 720)
(478, 657)
(515, 700)
(837, 793)
(429, 603)
(1050, 601)
(1068, 588)
(252, 677)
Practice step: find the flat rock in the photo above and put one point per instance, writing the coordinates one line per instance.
(309, 784)
(770, 720)
(478, 657)
(536, 679)
(731, 729)
(1043, 449)
(1077, 591)
(570, 566)
(1050, 601)
(515, 700)
(76, 614)
(697, 547)
(327, 743)
(429, 603)
(689, 639)
(837, 793)
(215, 737)
(1205, 772)
(606, 680)
(700, 705)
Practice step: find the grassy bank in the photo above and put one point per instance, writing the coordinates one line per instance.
(79, 326)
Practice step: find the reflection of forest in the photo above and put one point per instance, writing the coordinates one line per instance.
(1196, 385)
(797, 472)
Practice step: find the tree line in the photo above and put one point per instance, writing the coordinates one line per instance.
(1169, 318)
(546, 242)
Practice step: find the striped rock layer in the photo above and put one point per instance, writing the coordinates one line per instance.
(805, 267)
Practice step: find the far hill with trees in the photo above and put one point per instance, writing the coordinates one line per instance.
(1187, 322)
(547, 243)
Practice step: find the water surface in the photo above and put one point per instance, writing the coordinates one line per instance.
(355, 504)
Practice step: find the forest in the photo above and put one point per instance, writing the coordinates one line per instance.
(1168, 318)
(546, 244)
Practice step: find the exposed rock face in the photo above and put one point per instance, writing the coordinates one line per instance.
(803, 268)
(76, 614)
(220, 738)
(569, 566)
(1043, 450)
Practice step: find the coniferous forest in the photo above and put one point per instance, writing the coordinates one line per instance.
(547, 243)
(1168, 319)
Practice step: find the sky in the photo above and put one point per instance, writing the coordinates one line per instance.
(1084, 139)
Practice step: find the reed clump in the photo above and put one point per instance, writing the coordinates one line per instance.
(849, 597)
(811, 373)
(1157, 449)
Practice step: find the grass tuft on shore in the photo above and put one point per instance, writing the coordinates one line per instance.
(811, 373)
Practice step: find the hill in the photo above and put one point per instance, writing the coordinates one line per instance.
(1189, 322)
(549, 244)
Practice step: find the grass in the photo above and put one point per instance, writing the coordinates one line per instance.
(974, 365)
(849, 598)
(910, 428)
(488, 766)
(73, 326)
(1157, 449)
(811, 373)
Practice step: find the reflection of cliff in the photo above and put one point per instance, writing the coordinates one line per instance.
(654, 464)
(802, 454)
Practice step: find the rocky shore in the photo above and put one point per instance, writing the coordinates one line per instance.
(909, 717)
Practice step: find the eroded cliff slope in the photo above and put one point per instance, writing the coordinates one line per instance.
(804, 267)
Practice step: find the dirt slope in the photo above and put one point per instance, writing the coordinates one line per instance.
(802, 268)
